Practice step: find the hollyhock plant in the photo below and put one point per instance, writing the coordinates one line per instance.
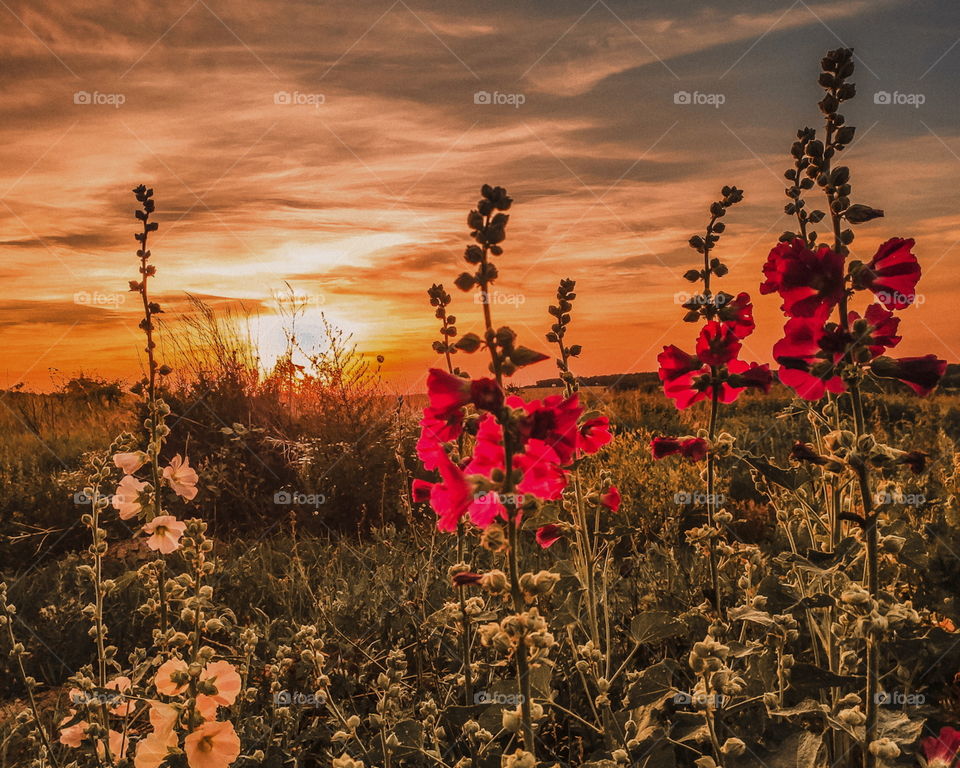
(181, 477)
(892, 274)
(212, 745)
(940, 751)
(808, 280)
(164, 534)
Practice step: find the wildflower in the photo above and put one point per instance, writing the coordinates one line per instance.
(692, 448)
(717, 344)
(548, 535)
(543, 476)
(165, 532)
(677, 370)
(808, 281)
(921, 374)
(118, 745)
(223, 676)
(737, 314)
(153, 750)
(804, 365)
(130, 461)
(212, 745)
(892, 274)
(125, 706)
(452, 496)
(941, 750)
(466, 578)
(171, 678)
(420, 491)
(449, 394)
(73, 735)
(126, 500)
(594, 433)
(877, 329)
(181, 477)
(611, 499)
(552, 420)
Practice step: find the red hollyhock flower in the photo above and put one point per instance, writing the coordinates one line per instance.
(433, 434)
(611, 499)
(448, 395)
(892, 274)
(466, 578)
(548, 535)
(877, 329)
(488, 453)
(421, 491)
(921, 374)
(693, 448)
(738, 315)
(452, 496)
(594, 433)
(552, 420)
(806, 280)
(687, 381)
(717, 344)
(941, 750)
(804, 366)
(543, 476)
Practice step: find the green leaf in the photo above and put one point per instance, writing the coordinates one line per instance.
(654, 626)
(523, 356)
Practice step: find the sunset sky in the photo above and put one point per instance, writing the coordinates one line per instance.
(356, 193)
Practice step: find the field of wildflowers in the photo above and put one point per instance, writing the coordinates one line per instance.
(754, 567)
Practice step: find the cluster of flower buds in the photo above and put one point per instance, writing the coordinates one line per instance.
(558, 330)
(845, 450)
(529, 628)
(440, 299)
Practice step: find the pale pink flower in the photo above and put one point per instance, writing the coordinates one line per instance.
(124, 706)
(152, 750)
(212, 745)
(223, 675)
(127, 498)
(72, 735)
(118, 746)
(130, 461)
(165, 684)
(181, 477)
(165, 532)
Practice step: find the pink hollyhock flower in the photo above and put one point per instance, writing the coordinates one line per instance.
(420, 491)
(806, 280)
(488, 452)
(611, 499)
(131, 461)
(877, 329)
(73, 735)
(118, 746)
(124, 706)
(212, 745)
(224, 677)
(452, 496)
(941, 750)
(486, 508)
(449, 393)
(749, 376)
(594, 434)
(717, 344)
(164, 533)
(548, 535)
(154, 749)
(543, 476)
(126, 500)
(803, 366)
(164, 681)
(181, 477)
(737, 314)
(552, 420)
(686, 386)
(921, 374)
(434, 433)
(892, 274)
(693, 448)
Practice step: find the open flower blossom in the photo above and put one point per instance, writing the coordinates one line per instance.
(181, 477)
(123, 706)
(153, 749)
(736, 313)
(807, 280)
(921, 374)
(164, 534)
(548, 535)
(222, 676)
(941, 750)
(892, 274)
(611, 499)
(212, 745)
(73, 735)
(594, 434)
(692, 448)
(126, 500)
(164, 679)
(130, 461)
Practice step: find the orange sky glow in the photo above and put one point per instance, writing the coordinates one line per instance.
(337, 147)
